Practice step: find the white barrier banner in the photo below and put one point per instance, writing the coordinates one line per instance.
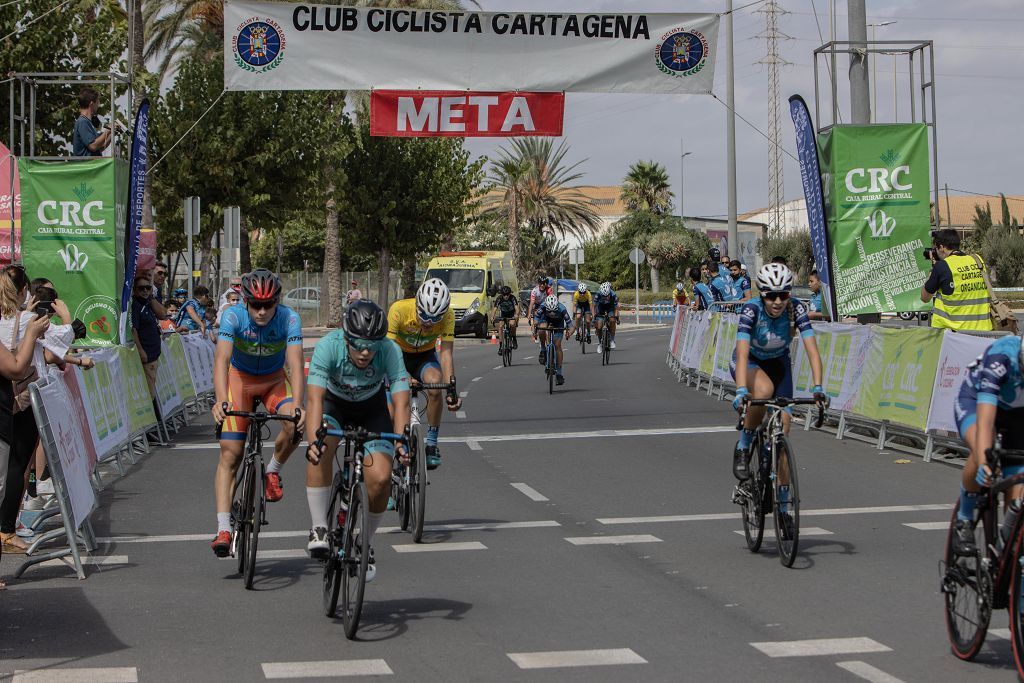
(167, 394)
(677, 329)
(697, 337)
(726, 345)
(285, 46)
(199, 357)
(843, 349)
(957, 352)
(104, 400)
(69, 436)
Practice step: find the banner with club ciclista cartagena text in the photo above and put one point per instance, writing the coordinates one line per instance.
(282, 46)
(876, 195)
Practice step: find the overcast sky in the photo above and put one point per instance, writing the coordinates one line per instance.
(979, 65)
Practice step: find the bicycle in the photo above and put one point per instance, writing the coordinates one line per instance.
(992, 577)
(348, 554)
(583, 333)
(249, 505)
(551, 360)
(409, 481)
(505, 343)
(772, 478)
(604, 338)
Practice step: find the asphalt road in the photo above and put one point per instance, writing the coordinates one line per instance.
(587, 535)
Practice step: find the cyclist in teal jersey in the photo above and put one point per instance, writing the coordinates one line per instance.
(350, 375)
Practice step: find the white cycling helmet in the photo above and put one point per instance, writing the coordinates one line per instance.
(582, 288)
(551, 302)
(679, 286)
(606, 288)
(432, 299)
(774, 277)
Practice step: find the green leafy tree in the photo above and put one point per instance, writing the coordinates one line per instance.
(82, 37)
(795, 247)
(664, 248)
(646, 188)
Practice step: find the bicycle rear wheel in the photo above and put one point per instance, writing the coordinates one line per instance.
(254, 521)
(581, 335)
(355, 558)
(401, 492)
(417, 482)
(550, 369)
(241, 508)
(333, 565)
(786, 512)
(967, 586)
(1017, 603)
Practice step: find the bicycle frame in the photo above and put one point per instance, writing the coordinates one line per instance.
(997, 558)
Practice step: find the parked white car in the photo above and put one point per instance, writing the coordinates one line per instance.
(302, 299)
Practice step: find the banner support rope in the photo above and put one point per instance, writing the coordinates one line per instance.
(185, 134)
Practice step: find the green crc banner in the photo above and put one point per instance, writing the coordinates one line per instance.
(897, 384)
(879, 217)
(73, 234)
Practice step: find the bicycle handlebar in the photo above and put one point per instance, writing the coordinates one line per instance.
(449, 386)
(1005, 456)
(262, 416)
(357, 434)
(783, 402)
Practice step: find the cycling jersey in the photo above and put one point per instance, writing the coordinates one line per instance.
(741, 284)
(331, 369)
(185, 320)
(505, 305)
(582, 299)
(769, 337)
(556, 317)
(993, 378)
(724, 289)
(704, 295)
(723, 271)
(260, 350)
(405, 328)
(537, 295)
(606, 305)
(815, 302)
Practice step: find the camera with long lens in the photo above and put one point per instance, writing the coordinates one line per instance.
(930, 253)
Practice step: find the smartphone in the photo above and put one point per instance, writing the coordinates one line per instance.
(44, 308)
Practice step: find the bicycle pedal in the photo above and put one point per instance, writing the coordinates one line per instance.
(264, 523)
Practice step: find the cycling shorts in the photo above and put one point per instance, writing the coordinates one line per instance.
(416, 363)
(371, 414)
(604, 312)
(273, 390)
(1009, 423)
(583, 307)
(779, 371)
(558, 335)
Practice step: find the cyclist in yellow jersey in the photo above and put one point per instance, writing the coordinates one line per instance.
(416, 325)
(583, 303)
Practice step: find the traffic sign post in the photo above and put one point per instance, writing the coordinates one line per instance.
(637, 256)
(575, 259)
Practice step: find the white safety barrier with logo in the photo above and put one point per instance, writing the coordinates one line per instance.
(893, 381)
(104, 416)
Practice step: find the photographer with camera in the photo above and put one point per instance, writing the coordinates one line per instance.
(956, 285)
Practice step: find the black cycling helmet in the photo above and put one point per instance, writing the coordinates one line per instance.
(715, 254)
(365, 320)
(260, 285)
(506, 290)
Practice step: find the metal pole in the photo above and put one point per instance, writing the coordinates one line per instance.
(860, 94)
(730, 126)
(636, 310)
(895, 98)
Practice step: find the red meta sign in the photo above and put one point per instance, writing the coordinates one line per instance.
(427, 113)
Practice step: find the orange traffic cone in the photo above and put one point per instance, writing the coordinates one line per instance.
(494, 337)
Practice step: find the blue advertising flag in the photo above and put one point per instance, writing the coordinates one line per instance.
(136, 192)
(810, 176)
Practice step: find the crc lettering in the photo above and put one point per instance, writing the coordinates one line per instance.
(878, 180)
(70, 213)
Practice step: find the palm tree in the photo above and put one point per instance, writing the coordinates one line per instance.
(646, 188)
(529, 184)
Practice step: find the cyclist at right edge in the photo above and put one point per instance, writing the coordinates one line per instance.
(761, 364)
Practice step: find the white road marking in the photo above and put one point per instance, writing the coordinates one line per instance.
(461, 414)
(497, 367)
(482, 526)
(286, 554)
(575, 658)
(528, 357)
(596, 433)
(474, 445)
(1000, 633)
(613, 540)
(86, 559)
(804, 531)
(437, 547)
(530, 492)
(868, 672)
(123, 674)
(477, 379)
(463, 394)
(929, 526)
(820, 646)
(327, 669)
(803, 513)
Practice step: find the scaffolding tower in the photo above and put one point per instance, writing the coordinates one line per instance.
(776, 192)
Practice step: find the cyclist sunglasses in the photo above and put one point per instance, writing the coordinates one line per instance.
(775, 296)
(429, 320)
(258, 305)
(360, 345)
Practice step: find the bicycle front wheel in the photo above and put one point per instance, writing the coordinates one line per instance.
(333, 564)
(254, 519)
(242, 509)
(752, 491)
(355, 559)
(417, 482)
(1017, 603)
(967, 587)
(787, 502)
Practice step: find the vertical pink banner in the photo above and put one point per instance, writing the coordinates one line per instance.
(10, 206)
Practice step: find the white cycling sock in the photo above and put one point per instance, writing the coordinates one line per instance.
(273, 465)
(223, 521)
(319, 500)
(373, 520)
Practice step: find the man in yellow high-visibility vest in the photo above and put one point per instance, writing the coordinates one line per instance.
(957, 285)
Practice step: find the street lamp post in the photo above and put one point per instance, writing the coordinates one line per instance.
(874, 69)
(682, 186)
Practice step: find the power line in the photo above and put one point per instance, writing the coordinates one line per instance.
(19, 30)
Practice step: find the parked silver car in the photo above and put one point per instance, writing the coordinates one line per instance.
(302, 299)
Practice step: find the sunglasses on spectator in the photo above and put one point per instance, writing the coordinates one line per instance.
(775, 296)
(360, 345)
(261, 305)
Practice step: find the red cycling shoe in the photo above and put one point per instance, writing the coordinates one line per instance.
(222, 544)
(272, 488)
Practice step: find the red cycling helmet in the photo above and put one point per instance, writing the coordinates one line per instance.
(260, 285)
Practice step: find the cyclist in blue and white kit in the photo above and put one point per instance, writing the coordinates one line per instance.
(722, 285)
(702, 295)
(349, 379)
(761, 365)
(553, 316)
(257, 339)
(606, 311)
(990, 402)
